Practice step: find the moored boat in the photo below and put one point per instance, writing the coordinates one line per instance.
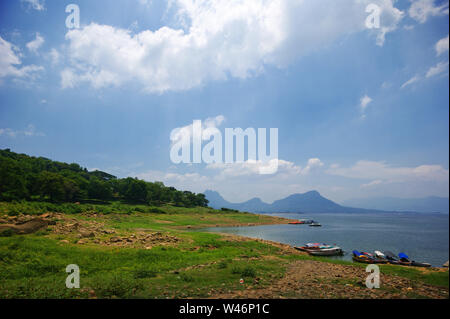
(311, 246)
(315, 224)
(393, 259)
(297, 222)
(367, 258)
(404, 258)
(328, 251)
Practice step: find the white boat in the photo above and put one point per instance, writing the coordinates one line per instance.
(333, 251)
(315, 224)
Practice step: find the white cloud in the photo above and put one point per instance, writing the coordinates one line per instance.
(30, 130)
(372, 183)
(312, 163)
(414, 79)
(222, 39)
(241, 181)
(54, 56)
(442, 46)
(252, 167)
(381, 171)
(35, 4)
(441, 67)
(10, 62)
(34, 45)
(365, 101)
(421, 10)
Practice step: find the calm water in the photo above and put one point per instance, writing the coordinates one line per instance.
(423, 237)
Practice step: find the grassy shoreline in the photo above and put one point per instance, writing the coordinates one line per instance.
(126, 251)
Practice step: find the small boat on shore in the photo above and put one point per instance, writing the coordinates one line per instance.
(404, 258)
(311, 246)
(326, 251)
(367, 258)
(394, 260)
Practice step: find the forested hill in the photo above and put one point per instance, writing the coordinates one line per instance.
(27, 177)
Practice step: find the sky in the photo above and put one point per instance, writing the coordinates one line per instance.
(361, 110)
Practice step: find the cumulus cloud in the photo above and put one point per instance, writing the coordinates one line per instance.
(221, 39)
(10, 62)
(441, 67)
(30, 130)
(35, 4)
(241, 181)
(34, 45)
(381, 171)
(54, 56)
(421, 10)
(253, 167)
(442, 46)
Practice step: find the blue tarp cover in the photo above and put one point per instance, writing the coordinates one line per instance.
(403, 255)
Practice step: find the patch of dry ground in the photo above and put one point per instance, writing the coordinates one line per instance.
(311, 279)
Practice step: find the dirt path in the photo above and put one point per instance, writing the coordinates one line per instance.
(315, 279)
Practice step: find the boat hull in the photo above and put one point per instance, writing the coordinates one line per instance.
(368, 260)
(326, 252)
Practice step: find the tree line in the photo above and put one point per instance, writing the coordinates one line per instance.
(38, 178)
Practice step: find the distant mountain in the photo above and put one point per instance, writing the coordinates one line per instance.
(426, 204)
(310, 202)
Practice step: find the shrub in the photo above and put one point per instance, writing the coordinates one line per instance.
(6, 233)
(186, 277)
(222, 265)
(244, 272)
(144, 273)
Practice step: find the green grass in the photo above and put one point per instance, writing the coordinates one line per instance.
(200, 264)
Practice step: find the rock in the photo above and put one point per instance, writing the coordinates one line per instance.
(65, 241)
(86, 234)
(27, 227)
(115, 239)
(74, 225)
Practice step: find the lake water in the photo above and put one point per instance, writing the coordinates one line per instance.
(423, 237)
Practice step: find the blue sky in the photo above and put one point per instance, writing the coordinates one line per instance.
(360, 112)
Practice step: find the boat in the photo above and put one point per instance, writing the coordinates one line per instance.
(327, 251)
(378, 254)
(312, 246)
(367, 258)
(393, 259)
(315, 224)
(404, 258)
(297, 222)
